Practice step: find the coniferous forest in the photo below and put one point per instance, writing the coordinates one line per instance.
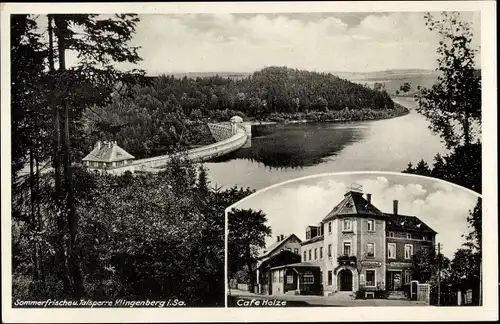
(78, 235)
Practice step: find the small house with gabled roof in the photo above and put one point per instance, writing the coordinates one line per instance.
(106, 156)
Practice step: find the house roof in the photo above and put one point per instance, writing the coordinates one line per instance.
(314, 239)
(404, 223)
(107, 152)
(353, 203)
(283, 257)
(305, 264)
(276, 245)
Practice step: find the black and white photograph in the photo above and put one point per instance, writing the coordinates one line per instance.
(357, 240)
(199, 160)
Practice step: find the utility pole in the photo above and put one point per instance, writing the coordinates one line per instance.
(439, 274)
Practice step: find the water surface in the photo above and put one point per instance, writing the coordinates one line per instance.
(284, 152)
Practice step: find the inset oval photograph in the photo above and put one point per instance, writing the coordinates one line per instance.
(356, 239)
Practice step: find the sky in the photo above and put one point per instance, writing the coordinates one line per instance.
(349, 42)
(291, 207)
(323, 42)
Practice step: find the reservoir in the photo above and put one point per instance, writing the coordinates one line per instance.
(284, 152)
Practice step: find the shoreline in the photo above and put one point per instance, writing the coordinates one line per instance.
(338, 120)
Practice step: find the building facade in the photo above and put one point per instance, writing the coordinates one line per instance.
(357, 246)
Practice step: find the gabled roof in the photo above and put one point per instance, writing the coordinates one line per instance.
(404, 223)
(353, 204)
(107, 152)
(276, 245)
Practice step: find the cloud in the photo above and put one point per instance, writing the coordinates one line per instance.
(290, 208)
(234, 42)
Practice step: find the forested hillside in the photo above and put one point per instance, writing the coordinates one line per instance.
(172, 112)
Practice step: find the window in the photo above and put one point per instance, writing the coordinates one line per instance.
(371, 225)
(408, 251)
(310, 254)
(275, 276)
(347, 248)
(424, 238)
(296, 251)
(370, 278)
(305, 255)
(321, 253)
(289, 279)
(329, 227)
(408, 236)
(391, 251)
(308, 278)
(391, 234)
(330, 278)
(407, 276)
(370, 250)
(315, 253)
(329, 250)
(281, 275)
(346, 225)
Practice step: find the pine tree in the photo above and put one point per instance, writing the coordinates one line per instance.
(455, 100)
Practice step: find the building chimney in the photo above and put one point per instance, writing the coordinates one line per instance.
(277, 238)
(282, 237)
(395, 207)
(369, 197)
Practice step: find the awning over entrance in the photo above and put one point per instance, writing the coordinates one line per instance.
(300, 265)
(280, 259)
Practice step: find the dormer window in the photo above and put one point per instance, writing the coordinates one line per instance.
(408, 236)
(308, 234)
(391, 234)
(346, 225)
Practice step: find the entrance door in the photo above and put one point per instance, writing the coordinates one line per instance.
(345, 277)
(389, 280)
(414, 287)
(393, 280)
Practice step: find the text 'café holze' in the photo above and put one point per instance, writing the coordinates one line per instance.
(355, 246)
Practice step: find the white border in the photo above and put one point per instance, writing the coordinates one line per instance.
(489, 160)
